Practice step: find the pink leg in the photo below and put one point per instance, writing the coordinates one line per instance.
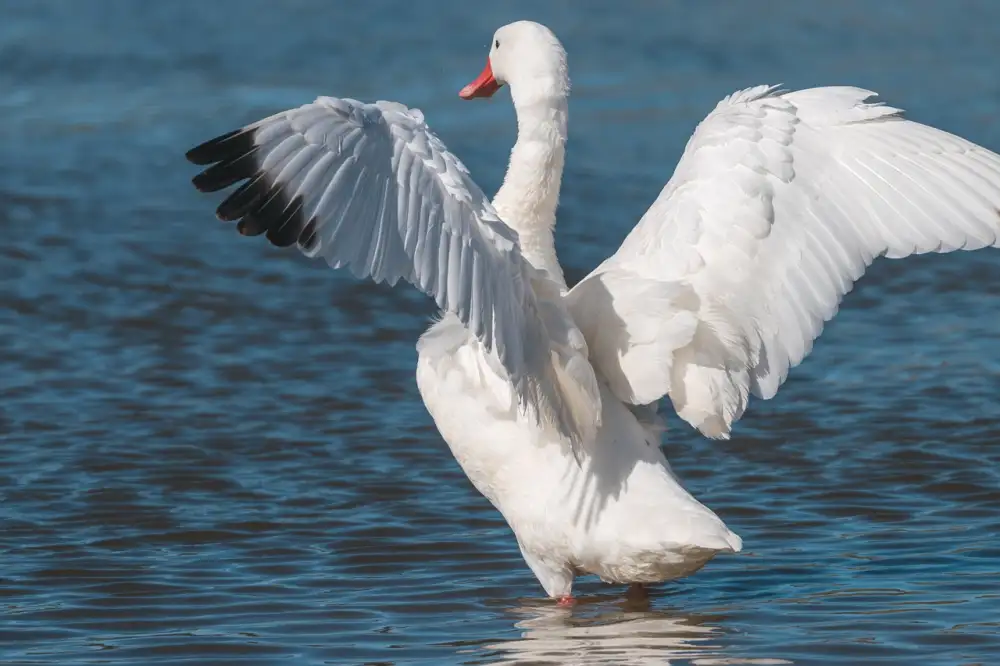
(637, 592)
(565, 601)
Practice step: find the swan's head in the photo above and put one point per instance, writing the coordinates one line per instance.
(526, 56)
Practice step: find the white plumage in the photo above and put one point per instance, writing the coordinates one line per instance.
(547, 396)
(778, 205)
(370, 188)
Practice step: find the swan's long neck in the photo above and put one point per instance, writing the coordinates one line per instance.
(529, 195)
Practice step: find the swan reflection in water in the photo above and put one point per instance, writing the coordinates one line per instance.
(620, 634)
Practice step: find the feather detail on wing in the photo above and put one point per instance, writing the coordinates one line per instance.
(778, 205)
(369, 187)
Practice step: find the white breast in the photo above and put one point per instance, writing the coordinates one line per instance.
(618, 512)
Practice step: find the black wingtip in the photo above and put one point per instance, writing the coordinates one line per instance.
(251, 225)
(307, 239)
(288, 224)
(222, 175)
(226, 146)
(243, 199)
(259, 205)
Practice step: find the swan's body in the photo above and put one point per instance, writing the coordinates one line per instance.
(619, 513)
(546, 396)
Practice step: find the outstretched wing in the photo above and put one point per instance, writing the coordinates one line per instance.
(369, 187)
(780, 202)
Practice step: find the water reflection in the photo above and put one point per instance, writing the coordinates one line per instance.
(600, 632)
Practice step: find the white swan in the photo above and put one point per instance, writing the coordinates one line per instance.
(547, 396)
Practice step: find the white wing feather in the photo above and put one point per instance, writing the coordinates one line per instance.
(369, 187)
(779, 203)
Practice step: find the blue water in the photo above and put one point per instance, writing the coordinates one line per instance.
(212, 451)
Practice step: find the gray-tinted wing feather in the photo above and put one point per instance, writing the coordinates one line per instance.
(370, 188)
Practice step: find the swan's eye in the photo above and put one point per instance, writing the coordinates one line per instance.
(496, 44)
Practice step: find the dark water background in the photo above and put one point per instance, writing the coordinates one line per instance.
(213, 452)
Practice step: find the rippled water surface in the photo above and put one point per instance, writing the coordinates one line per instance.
(212, 451)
